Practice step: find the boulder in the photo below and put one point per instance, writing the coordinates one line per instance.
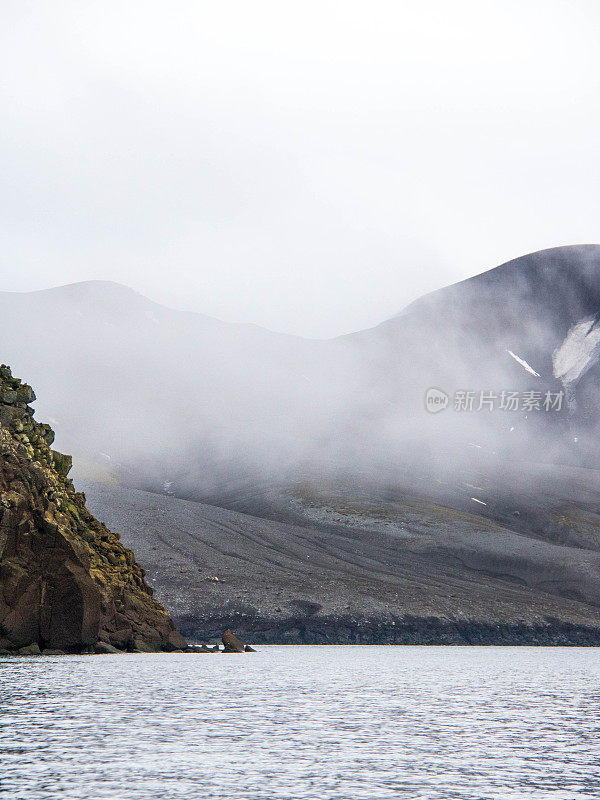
(231, 643)
(175, 641)
(62, 463)
(105, 647)
(30, 650)
(25, 394)
(248, 649)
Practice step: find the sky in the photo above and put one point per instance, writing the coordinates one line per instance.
(310, 167)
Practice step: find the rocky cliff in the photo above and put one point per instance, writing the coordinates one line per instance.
(66, 581)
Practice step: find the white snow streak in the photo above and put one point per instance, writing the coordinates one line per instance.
(523, 363)
(579, 351)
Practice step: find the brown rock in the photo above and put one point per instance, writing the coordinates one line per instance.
(30, 650)
(175, 641)
(231, 643)
(106, 648)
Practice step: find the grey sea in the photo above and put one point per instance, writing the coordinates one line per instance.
(304, 722)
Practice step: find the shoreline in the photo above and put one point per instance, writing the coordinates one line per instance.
(407, 631)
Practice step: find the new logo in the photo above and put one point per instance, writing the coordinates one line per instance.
(436, 400)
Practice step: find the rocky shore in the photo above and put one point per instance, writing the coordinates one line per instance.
(231, 644)
(353, 630)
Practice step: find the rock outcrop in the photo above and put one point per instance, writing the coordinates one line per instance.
(66, 581)
(231, 643)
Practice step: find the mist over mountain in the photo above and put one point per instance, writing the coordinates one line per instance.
(183, 401)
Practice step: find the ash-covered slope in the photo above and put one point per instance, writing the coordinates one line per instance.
(66, 581)
(359, 567)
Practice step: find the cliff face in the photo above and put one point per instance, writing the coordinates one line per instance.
(66, 581)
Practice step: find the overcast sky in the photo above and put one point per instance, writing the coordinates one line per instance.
(310, 166)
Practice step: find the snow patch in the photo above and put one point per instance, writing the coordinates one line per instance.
(579, 351)
(523, 363)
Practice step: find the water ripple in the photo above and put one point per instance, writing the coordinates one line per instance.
(334, 723)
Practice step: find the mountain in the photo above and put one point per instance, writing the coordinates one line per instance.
(527, 325)
(66, 581)
(312, 476)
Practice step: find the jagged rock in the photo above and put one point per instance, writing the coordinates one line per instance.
(231, 643)
(66, 581)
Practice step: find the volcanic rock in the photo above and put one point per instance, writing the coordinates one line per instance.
(66, 581)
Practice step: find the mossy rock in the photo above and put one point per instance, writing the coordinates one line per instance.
(50, 540)
(9, 397)
(25, 394)
(62, 463)
(30, 650)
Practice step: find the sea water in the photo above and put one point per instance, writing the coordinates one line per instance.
(304, 722)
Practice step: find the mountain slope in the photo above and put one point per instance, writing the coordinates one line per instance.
(359, 569)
